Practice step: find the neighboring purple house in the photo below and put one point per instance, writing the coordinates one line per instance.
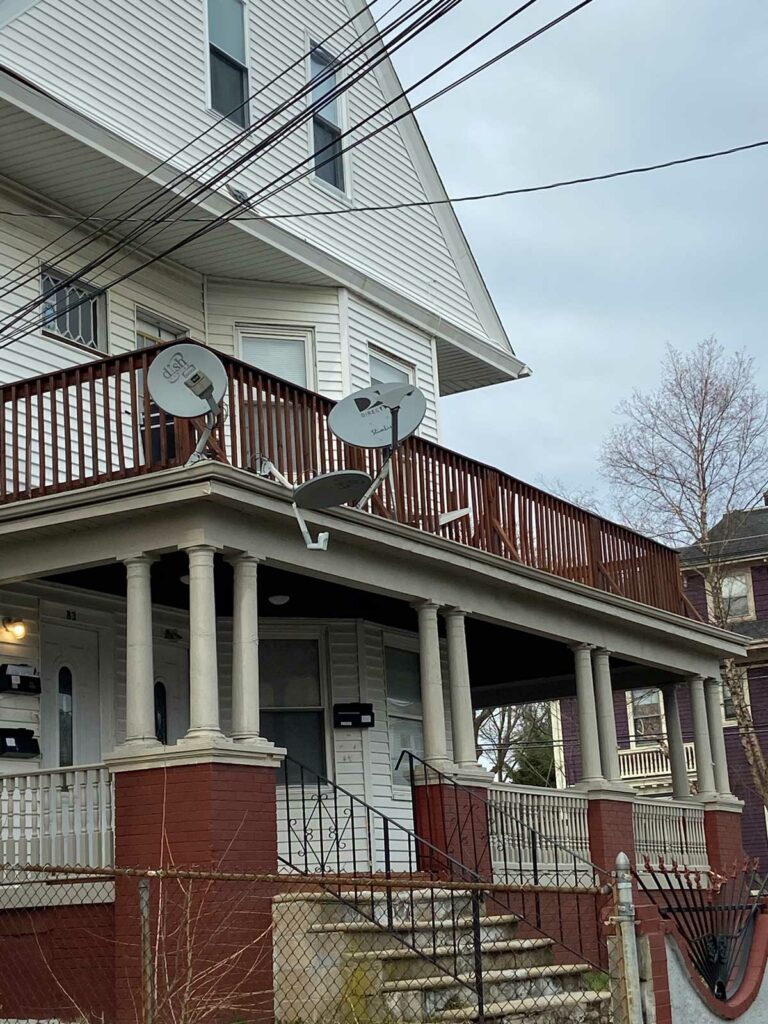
(742, 547)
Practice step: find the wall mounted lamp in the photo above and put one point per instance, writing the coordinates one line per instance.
(16, 627)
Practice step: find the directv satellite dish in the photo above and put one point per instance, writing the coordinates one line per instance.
(332, 489)
(189, 381)
(379, 417)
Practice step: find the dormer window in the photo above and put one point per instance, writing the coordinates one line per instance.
(327, 124)
(228, 59)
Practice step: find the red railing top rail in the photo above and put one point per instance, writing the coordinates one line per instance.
(536, 514)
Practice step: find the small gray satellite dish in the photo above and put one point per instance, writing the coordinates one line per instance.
(187, 380)
(332, 489)
(366, 418)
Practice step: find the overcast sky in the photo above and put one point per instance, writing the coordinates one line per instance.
(592, 281)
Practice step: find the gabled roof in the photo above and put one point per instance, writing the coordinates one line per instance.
(739, 535)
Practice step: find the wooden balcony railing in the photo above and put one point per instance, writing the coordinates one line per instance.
(95, 423)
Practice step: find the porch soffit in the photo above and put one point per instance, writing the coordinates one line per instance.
(64, 156)
(213, 503)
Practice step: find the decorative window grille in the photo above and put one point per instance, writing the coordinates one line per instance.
(72, 311)
(327, 124)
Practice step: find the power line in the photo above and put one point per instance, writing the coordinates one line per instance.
(231, 215)
(417, 204)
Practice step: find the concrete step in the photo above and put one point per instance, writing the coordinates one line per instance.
(443, 904)
(403, 963)
(421, 933)
(570, 1008)
(422, 998)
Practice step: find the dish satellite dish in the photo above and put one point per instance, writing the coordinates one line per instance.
(189, 381)
(331, 489)
(379, 417)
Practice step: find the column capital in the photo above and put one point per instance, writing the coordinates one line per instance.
(244, 558)
(603, 652)
(580, 646)
(426, 605)
(138, 558)
(452, 612)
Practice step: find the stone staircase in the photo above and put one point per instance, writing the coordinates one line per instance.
(343, 961)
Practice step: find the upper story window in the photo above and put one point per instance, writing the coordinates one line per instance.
(328, 123)
(74, 311)
(737, 596)
(228, 57)
(386, 369)
(281, 351)
(647, 716)
(154, 330)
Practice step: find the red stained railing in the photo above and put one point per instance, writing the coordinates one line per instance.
(94, 423)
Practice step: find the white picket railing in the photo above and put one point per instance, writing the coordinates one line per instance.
(670, 831)
(60, 817)
(651, 762)
(537, 832)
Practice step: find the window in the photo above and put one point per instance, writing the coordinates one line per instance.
(327, 122)
(647, 716)
(228, 59)
(161, 713)
(73, 311)
(66, 730)
(280, 351)
(153, 330)
(729, 710)
(404, 713)
(736, 596)
(386, 369)
(292, 706)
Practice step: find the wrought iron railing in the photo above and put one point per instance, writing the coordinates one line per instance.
(96, 422)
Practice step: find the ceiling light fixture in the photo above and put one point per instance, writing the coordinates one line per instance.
(279, 600)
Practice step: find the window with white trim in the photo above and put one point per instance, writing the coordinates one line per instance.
(328, 121)
(74, 311)
(154, 330)
(281, 351)
(729, 709)
(228, 59)
(293, 715)
(386, 369)
(737, 596)
(404, 711)
(647, 716)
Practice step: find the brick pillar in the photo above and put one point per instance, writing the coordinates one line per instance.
(611, 829)
(453, 820)
(216, 815)
(722, 828)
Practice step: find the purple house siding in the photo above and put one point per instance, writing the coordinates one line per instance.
(571, 747)
(760, 590)
(621, 713)
(696, 592)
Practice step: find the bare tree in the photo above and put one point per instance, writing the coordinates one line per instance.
(515, 743)
(684, 463)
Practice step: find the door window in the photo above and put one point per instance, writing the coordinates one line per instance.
(404, 712)
(161, 713)
(66, 723)
(292, 706)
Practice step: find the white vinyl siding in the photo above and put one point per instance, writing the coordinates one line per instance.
(151, 63)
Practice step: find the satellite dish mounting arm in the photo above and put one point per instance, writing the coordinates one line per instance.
(268, 468)
(202, 386)
(386, 466)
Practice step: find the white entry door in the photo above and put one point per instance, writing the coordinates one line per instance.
(70, 711)
(171, 690)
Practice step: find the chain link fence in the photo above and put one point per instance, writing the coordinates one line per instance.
(176, 947)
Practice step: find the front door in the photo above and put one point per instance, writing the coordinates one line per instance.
(70, 712)
(171, 691)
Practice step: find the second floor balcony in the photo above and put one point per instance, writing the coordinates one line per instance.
(96, 423)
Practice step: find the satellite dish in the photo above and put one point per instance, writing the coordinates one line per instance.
(187, 381)
(331, 489)
(379, 417)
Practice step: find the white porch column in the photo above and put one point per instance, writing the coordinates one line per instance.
(589, 739)
(606, 718)
(704, 770)
(433, 706)
(203, 660)
(139, 665)
(681, 789)
(245, 649)
(462, 717)
(712, 691)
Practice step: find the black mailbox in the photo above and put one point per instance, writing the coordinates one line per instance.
(19, 679)
(18, 743)
(353, 716)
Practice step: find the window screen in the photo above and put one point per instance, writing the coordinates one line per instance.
(280, 357)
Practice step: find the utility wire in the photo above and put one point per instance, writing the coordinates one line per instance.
(438, 9)
(221, 120)
(417, 204)
(231, 215)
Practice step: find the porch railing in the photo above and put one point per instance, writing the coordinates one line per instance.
(554, 817)
(95, 423)
(638, 763)
(64, 816)
(670, 832)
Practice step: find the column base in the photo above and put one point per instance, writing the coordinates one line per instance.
(607, 788)
(259, 753)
